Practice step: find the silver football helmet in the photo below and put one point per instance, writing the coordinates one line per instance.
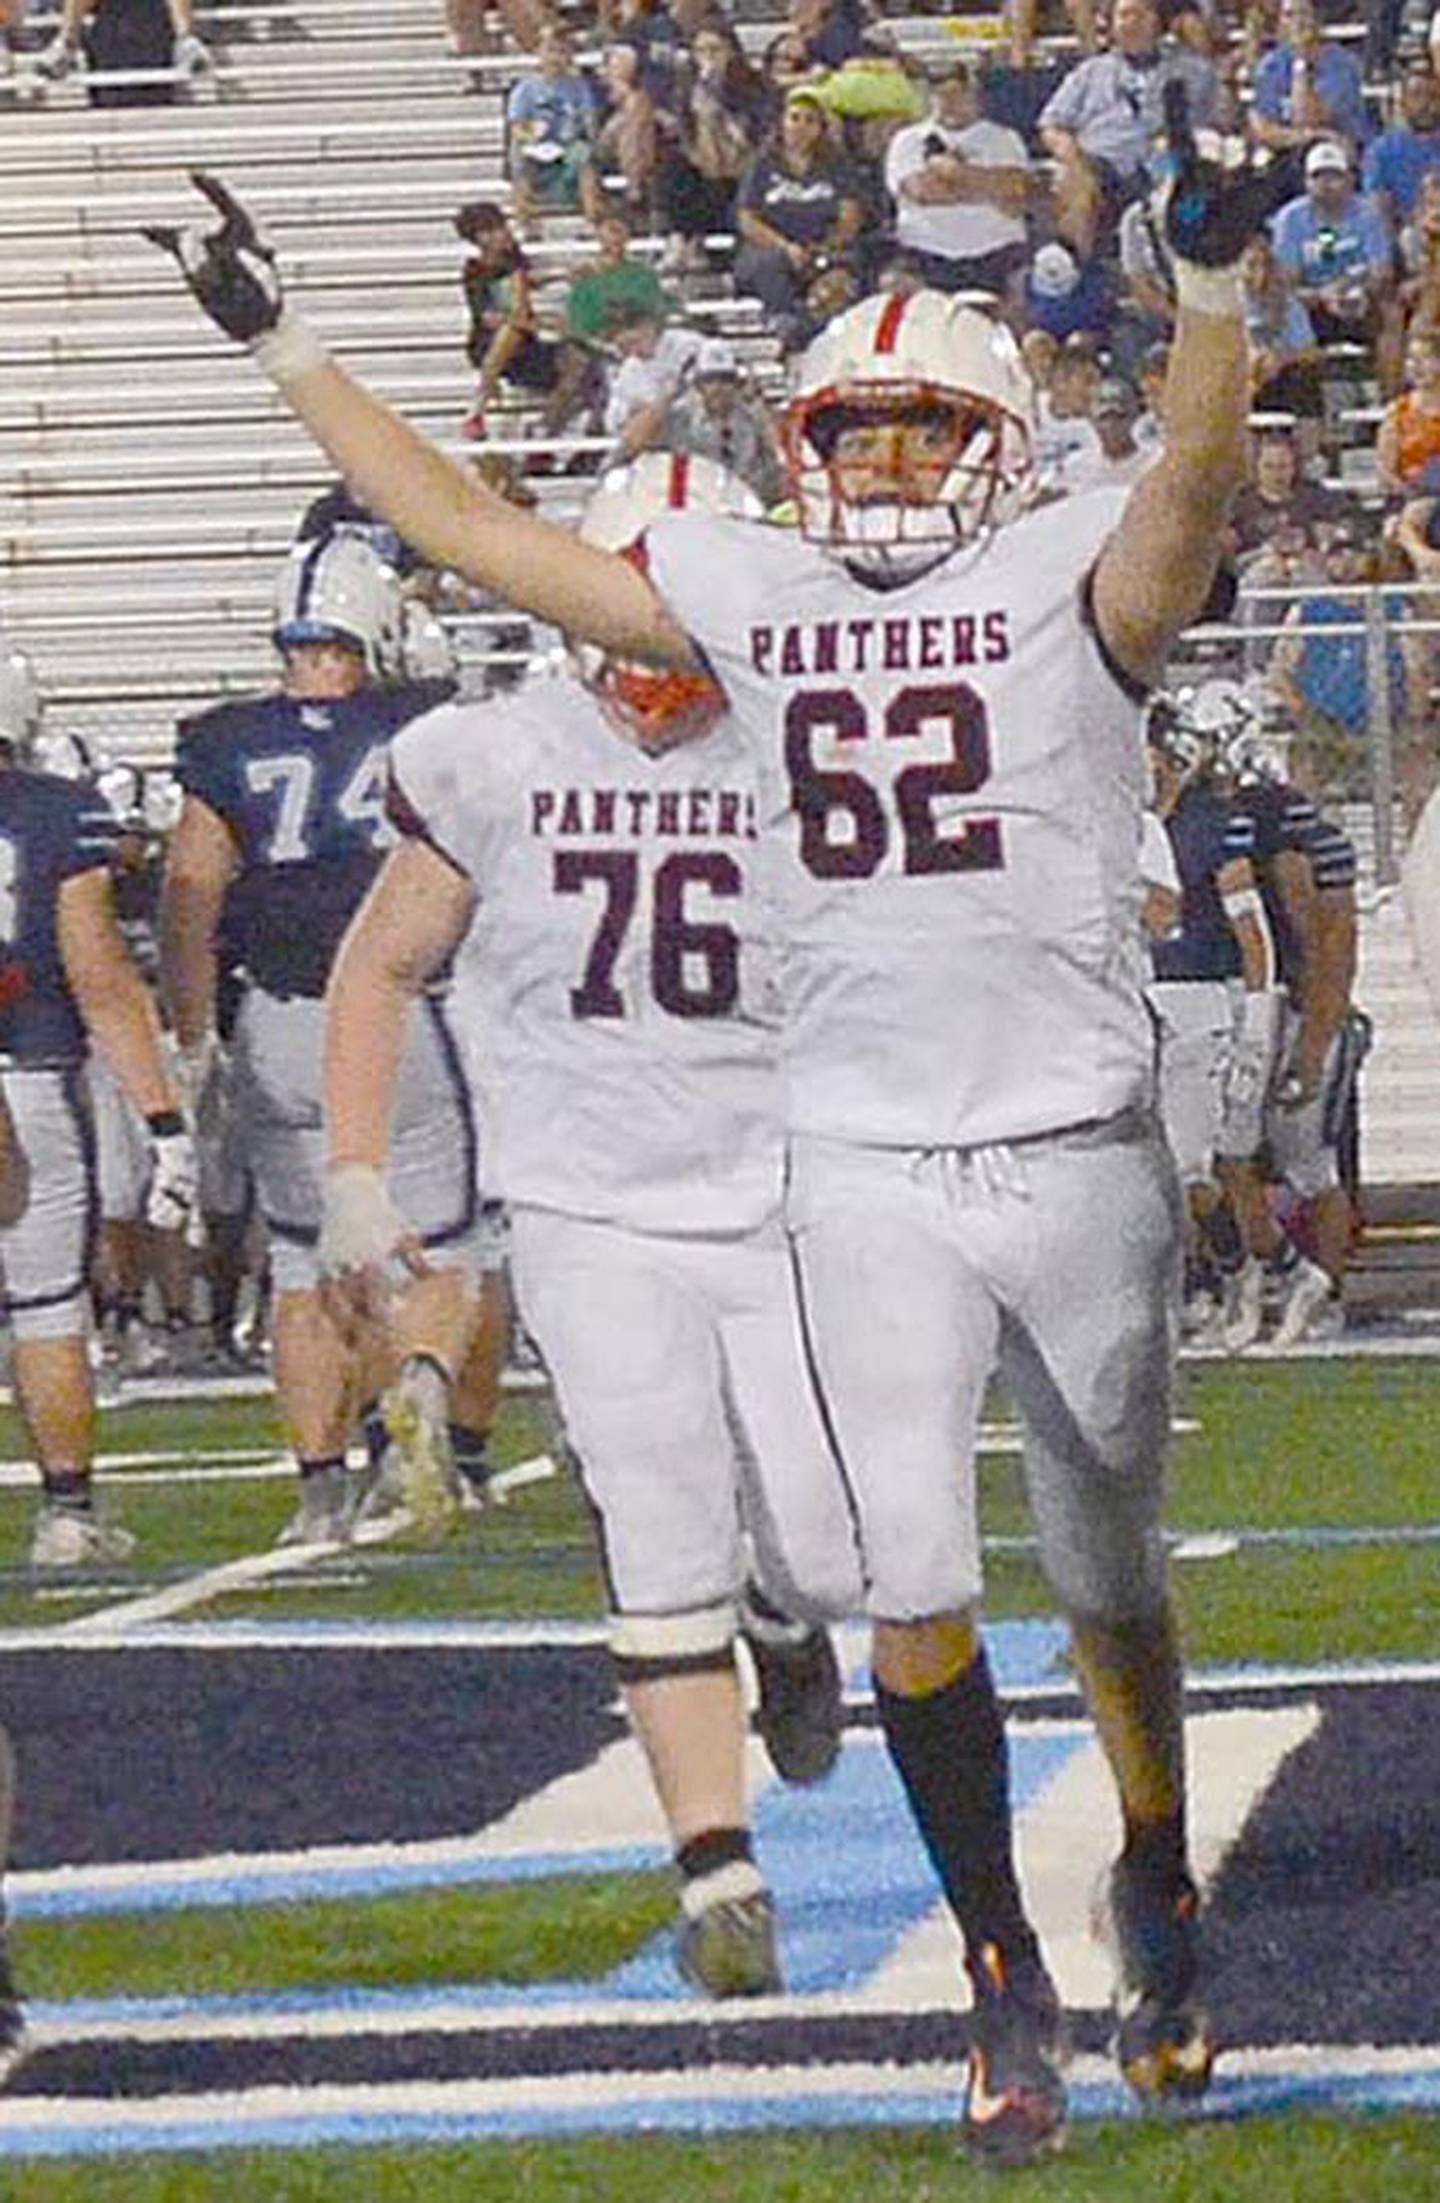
(336, 589)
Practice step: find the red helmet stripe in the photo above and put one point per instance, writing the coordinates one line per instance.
(680, 480)
(887, 332)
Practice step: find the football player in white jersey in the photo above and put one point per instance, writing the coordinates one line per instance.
(583, 854)
(940, 687)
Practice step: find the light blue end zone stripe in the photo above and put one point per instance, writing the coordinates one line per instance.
(754, 2111)
(822, 1850)
(1022, 1654)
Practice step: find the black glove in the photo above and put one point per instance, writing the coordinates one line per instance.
(1212, 212)
(230, 269)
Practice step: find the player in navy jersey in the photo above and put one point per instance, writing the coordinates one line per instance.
(282, 828)
(1306, 867)
(1215, 997)
(66, 980)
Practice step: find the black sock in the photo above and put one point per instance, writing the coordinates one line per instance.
(712, 1849)
(1222, 1235)
(949, 1750)
(472, 1460)
(1157, 1850)
(70, 1489)
(372, 1430)
(1285, 1258)
(321, 1466)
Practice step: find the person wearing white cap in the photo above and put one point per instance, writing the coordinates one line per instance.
(1336, 247)
(714, 415)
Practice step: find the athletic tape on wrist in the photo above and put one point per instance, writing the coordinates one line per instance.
(289, 350)
(1208, 290)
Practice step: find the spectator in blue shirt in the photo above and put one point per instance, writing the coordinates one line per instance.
(1307, 87)
(1337, 248)
(1397, 162)
(1323, 678)
(1101, 123)
(552, 116)
(1064, 296)
(1284, 357)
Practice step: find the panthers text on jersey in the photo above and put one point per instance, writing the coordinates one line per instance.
(51, 830)
(1207, 832)
(612, 992)
(950, 783)
(301, 787)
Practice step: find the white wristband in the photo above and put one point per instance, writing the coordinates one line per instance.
(1214, 291)
(289, 350)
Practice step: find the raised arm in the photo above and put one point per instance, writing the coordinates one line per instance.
(443, 509)
(1154, 575)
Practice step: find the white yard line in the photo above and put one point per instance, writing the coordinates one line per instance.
(254, 1568)
(532, 2102)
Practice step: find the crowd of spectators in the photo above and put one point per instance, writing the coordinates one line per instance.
(660, 164)
(803, 169)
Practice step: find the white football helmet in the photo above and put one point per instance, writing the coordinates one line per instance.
(68, 756)
(123, 788)
(657, 703)
(19, 704)
(1171, 731)
(162, 798)
(1250, 749)
(336, 589)
(926, 358)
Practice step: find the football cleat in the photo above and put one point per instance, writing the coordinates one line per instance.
(1244, 1307)
(72, 1537)
(1163, 2041)
(323, 1515)
(57, 59)
(1311, 1308)
(1014, 2090)
(800, 1715)
(728, 1949)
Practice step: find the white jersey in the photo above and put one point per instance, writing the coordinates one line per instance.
(611, 995)
(950, 783)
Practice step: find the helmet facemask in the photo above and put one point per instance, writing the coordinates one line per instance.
(957, 467)
(657, 706)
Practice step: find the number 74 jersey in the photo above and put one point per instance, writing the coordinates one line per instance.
(950, 781)
(613, 994)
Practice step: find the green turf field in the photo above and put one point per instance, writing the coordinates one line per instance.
(1295, 1448)
(1321, 2160)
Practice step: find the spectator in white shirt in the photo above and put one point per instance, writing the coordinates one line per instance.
(1068, 452)
(961, 184)
(655, 364)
